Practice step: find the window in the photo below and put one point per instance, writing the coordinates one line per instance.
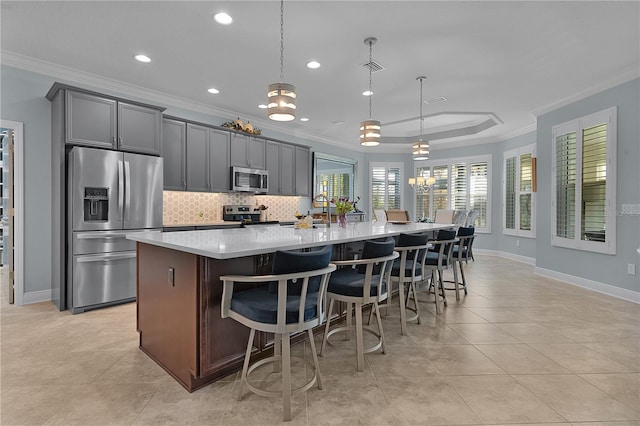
(386, 186)
(519, 198)
(461, 183)
(583, 193)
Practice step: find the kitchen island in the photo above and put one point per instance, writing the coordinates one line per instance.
(179, 289)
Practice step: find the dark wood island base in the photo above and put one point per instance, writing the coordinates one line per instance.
(178, 314)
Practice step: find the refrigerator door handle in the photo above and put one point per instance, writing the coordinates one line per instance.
(103, 235)
(105, 257)
(120, 189)
(127, 191)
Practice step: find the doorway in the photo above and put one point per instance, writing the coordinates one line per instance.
(11, 211)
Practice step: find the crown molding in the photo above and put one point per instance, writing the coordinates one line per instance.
(629, 74)
(92, 81)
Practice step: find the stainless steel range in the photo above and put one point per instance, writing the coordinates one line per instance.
(246, 214)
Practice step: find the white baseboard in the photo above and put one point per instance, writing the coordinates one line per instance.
(516, 257)
(609, 290)
(36, 297)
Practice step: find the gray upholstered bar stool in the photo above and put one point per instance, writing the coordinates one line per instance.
(289, 301)
(408, 269)
(439, 258)
(366, 284)
(461, 254)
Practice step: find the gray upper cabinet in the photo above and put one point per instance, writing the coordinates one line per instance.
(139, 129)
(198, 151)
(174, 154)
(287, 176)
(303, 171)
(247, 151)
(103, 122)
(219, 170)
(90, 120)
(272, 159)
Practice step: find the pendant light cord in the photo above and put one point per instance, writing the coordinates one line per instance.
(370, 91)
(281, 41)
(421, 119)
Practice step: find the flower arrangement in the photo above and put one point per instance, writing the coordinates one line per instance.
(343, 205)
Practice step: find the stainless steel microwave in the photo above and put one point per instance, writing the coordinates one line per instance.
(249, 180)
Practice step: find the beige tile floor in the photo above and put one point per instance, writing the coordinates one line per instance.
(518, 349)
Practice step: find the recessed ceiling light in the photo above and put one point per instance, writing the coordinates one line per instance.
(222, 18)
(213, 90)
(142, 58)
(435, 100)
(304, 119)
(313, 65)
(367, 93)
(262, 106)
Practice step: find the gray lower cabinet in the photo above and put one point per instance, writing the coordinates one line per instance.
(174, 154)
(303, 171)
(219, 170)
(198, 151)
(247, 151)
(104, 122)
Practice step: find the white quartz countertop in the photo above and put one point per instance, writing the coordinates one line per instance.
(240, 242)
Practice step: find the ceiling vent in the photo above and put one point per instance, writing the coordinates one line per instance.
(374, 66)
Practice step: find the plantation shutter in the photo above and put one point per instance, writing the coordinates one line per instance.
(440, 187)
(423, 198)
(394, 188)
(594, 179)
(378, 187)
(510, 193)
(478, 192)
(526, 176)
(459, 186)
(565, 185)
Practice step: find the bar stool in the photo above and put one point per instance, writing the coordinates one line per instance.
(462, 253)
(408, 269)
(367, 283)
(289, 301)
(437, 260)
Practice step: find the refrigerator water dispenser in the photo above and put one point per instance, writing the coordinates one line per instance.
(96, 204)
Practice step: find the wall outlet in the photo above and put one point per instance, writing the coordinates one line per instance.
(631, 268)
(517, 243)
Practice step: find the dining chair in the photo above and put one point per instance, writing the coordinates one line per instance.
(397, 215)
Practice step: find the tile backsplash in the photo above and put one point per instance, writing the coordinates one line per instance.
(192, 207)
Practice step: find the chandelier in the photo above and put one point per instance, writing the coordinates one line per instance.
(422, 184)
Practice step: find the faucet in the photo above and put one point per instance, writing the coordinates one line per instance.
(326, 220)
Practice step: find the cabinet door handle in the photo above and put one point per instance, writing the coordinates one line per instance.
(120, 140)
(113, 138)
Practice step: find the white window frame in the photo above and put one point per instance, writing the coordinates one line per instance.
(527, 149)
(608, 116)
(387, 166)
(458, 160)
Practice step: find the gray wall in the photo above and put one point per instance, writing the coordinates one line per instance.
(594, 266)
(22, 99)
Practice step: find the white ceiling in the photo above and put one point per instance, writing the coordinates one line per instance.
(500, 61)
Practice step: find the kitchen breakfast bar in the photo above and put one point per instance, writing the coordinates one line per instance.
(179, 290)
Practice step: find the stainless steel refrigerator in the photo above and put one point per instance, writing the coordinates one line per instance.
(110, 194)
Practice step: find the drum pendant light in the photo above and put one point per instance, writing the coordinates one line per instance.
(281, 104)
(370, 129)
(420, 147)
